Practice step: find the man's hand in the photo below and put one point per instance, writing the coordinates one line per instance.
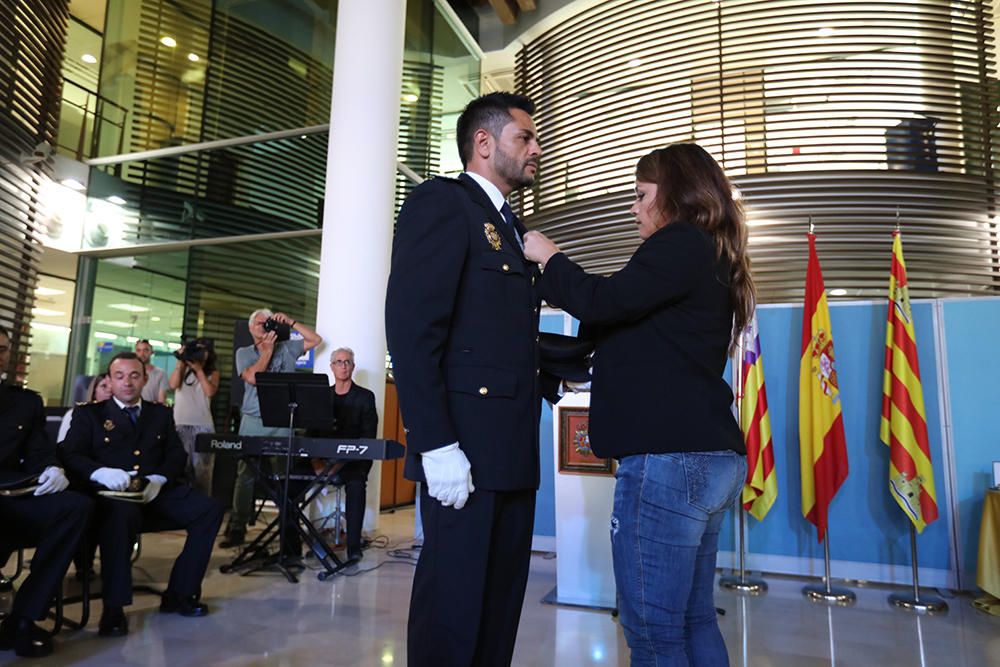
(115, 479)
(268, 341)
(538, 247)
(152, 489)
(449, 475)
(281, 317)
(52, 480)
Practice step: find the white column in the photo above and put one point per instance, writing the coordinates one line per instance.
(360, 187)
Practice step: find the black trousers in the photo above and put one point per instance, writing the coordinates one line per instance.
(118, 524)
(53, 524)
(355, 477)
(469, 585)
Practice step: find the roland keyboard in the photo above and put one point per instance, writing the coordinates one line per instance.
(321, 448)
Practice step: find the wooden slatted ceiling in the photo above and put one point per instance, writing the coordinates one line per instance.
(32, 36)
(840, 111)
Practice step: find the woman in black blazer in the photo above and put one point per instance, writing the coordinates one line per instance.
(663, 327)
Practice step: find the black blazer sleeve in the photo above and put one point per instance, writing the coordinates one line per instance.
(40, 452)
(77, 447)
(664, 269)
(369, 415)
(428, 257)
(174, 458)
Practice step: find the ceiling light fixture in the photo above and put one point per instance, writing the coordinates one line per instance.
(128, 307)
(88, 58)
(193, 57)
(838, 292)
(635, 62)
(167, 40)
(825, 32)
(410, 97)
(116, 200)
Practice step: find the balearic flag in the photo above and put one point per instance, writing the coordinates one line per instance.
(823, 448)
(904, 425)
(761, 486)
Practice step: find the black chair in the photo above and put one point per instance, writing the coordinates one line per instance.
(58, 616)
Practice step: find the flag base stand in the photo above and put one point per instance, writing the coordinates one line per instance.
(826, 593)
(741, 583)
(916, 603)
(832, 595)
(920, 605)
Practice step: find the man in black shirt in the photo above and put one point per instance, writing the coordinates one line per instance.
(355, 417)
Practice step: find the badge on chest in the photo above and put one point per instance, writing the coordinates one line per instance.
(493, 236)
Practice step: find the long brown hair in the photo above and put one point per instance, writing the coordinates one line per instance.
(691, 186)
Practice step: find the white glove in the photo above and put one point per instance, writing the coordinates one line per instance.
(152, 490)
(115, 479)
(52, 480)
(449, 475)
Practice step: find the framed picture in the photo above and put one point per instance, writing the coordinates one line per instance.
(575, 455)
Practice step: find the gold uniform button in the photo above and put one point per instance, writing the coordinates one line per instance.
(107, 439)
(532, 280)
(136, 453)
(135, 467)
(483, 391)
(538, 371)
(20, 427)
(506, 268)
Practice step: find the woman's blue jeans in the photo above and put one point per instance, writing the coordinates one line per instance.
(664, 538)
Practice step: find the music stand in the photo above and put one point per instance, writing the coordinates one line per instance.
(292, 400)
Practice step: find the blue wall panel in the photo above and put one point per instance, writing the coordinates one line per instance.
(866, 525)
(971, 327)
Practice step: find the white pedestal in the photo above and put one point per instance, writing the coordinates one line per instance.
(584, 575)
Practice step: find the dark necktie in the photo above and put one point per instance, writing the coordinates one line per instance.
(133, 413)
(508, 217)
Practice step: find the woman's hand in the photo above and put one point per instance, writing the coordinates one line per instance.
(538, 247)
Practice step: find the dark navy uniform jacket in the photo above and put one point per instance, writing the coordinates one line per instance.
(462, 329)
(24, 445)
(102, 436)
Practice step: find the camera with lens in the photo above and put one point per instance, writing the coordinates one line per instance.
(281, 330)
(196, 350)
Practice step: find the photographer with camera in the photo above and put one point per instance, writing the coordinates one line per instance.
(274, 352)
(195, 380)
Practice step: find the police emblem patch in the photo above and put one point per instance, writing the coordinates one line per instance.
(492, 235)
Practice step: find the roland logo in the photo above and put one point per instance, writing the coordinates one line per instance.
(358, 450)
(227, 444)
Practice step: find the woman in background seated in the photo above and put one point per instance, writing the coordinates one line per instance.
(99, 389)
(195, 380)
(663, 327)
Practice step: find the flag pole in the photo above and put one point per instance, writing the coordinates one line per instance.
(921, 605)
(742, 583)
(832, 595)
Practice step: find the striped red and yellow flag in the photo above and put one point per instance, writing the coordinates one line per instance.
(904, 424)
(761, 486)
(822, 444)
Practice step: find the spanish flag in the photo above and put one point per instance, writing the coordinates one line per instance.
(904, 425)
(761, 487)
(821, 426)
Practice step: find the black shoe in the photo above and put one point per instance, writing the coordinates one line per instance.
(355, 554)
(6, 585)
(113, 623)
(233, 538)
(187, 605)
(27, 639)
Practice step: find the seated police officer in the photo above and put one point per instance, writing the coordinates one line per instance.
(50, 517)
(111, 442)
(354, 417)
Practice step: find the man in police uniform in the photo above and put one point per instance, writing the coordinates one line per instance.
(110, 442)
(50, 518)
(462, 323)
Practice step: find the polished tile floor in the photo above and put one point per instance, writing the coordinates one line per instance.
(360, 619)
